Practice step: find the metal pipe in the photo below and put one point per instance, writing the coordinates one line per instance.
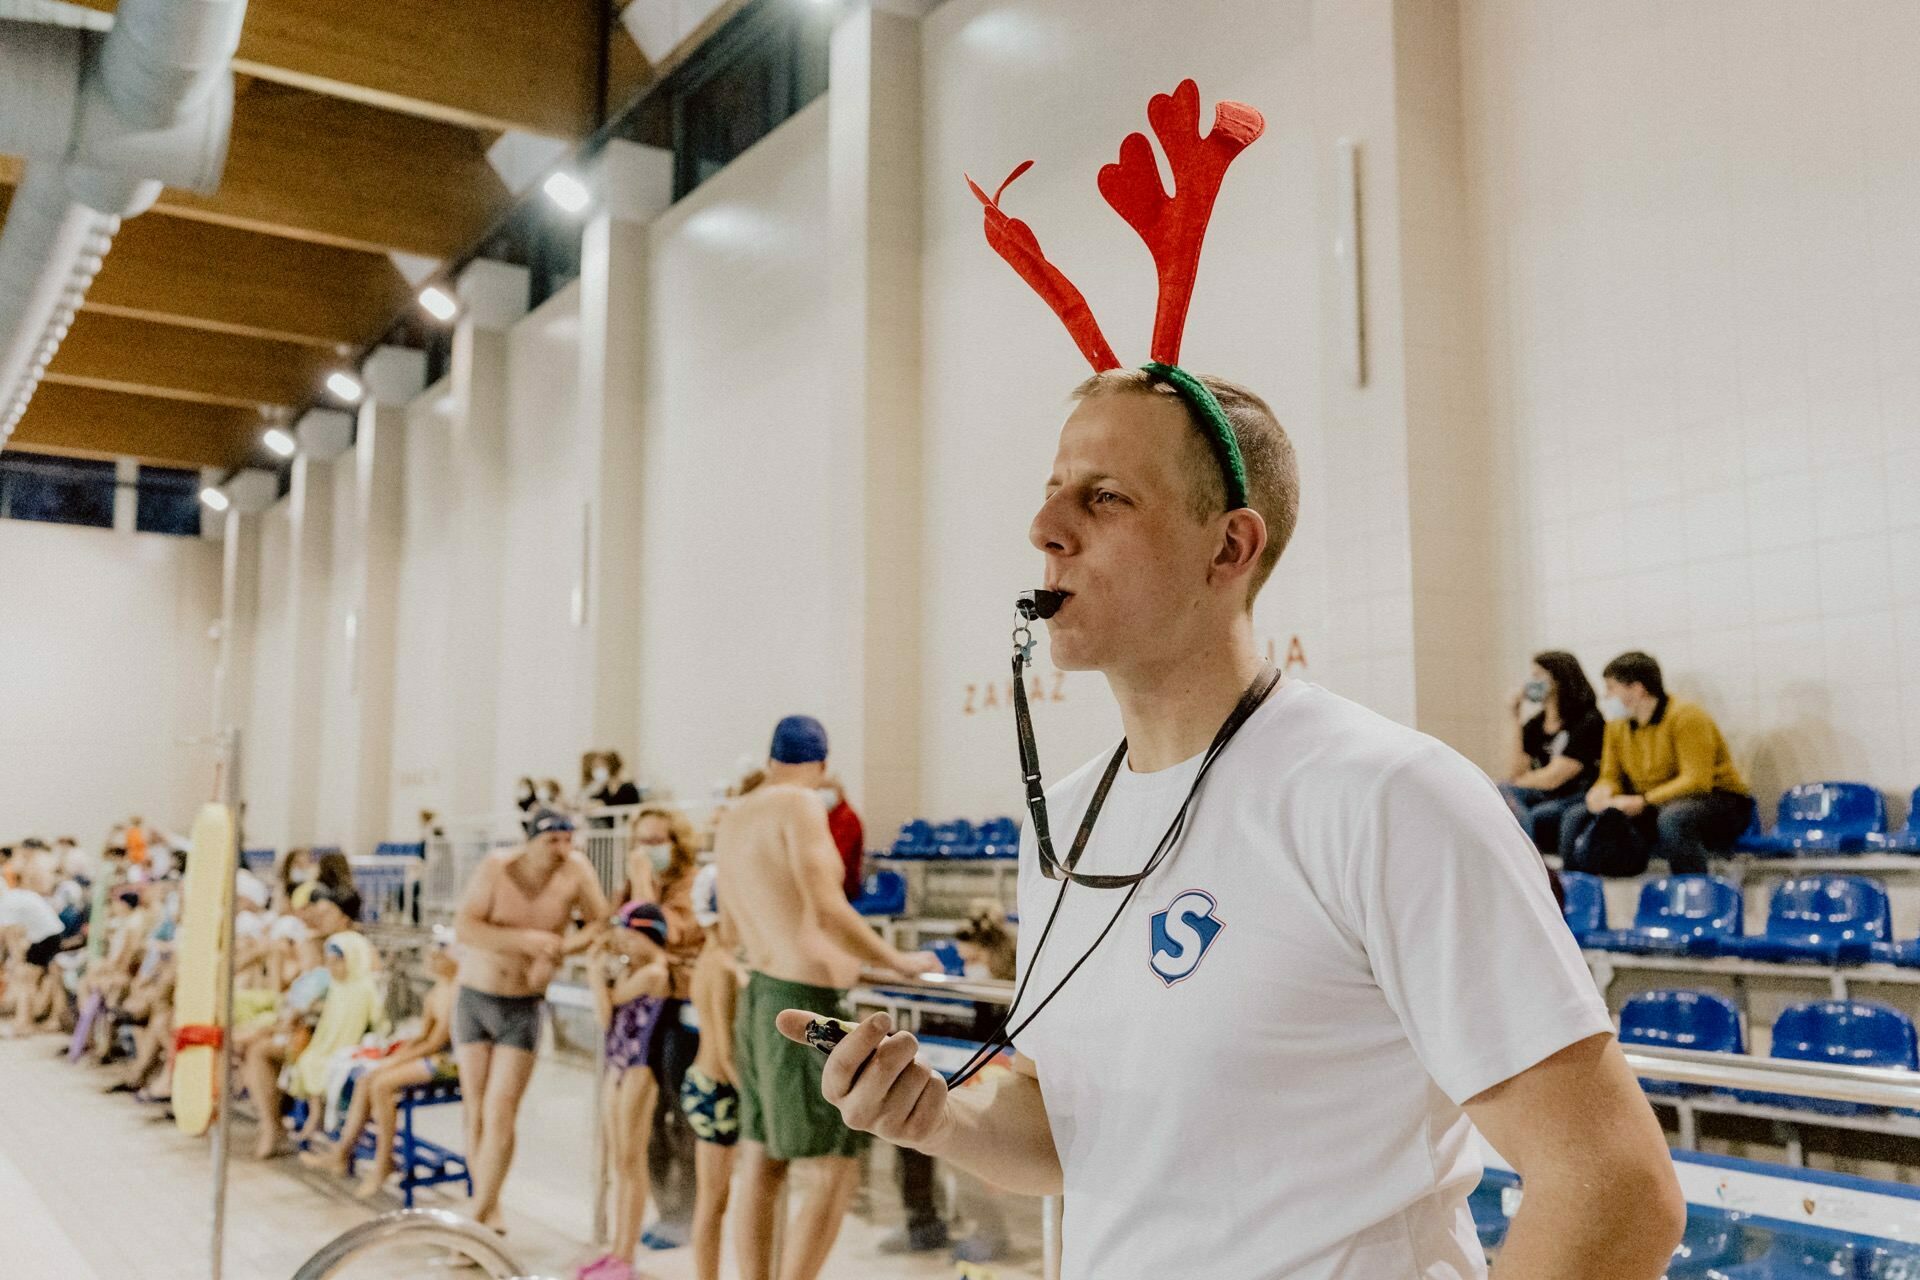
(985, 990)
(223, 1063)
(435, 1227)
(1832, 1081)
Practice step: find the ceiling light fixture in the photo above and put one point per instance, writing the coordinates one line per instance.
(345, 386)
(280, 442)
(214, 498)
(438, 303)
(566, 191)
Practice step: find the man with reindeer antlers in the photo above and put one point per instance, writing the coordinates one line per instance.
(1295, 954)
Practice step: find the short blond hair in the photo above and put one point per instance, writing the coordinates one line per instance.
(1273, 473)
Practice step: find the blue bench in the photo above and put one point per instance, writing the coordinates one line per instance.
(884, 893)
(1586, 908)
(421, 1163)
(1820, 817)
(1678, 915)
(1855, 1033)
(961, 839)
(1823, 919)
(1698, 1020)
(1906, 839)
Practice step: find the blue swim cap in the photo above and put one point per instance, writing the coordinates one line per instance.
(545, 820)
(799, 740)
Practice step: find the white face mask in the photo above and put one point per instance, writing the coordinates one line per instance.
(600, 773)
(829, 797)
(526, 792)
(1613, 709)
(304, 875)
(658, 854)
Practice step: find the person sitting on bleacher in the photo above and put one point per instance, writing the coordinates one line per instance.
(352, 1007)
(427, 1058)
(1668, 786)
(1556, 746)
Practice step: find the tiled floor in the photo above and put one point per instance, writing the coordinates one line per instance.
(101, 1188)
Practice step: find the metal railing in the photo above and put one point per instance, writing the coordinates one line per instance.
(985, 990)
(1829, 1081)
(432, 1227)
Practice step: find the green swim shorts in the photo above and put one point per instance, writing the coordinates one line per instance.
(780, 1103)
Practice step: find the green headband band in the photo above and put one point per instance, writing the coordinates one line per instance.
(1226, 445)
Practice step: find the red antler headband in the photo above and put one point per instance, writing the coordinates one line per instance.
(1173, 227)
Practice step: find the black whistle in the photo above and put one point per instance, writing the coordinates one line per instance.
(1039, 603)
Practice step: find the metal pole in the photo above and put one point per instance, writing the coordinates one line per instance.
(222, 1073)
(600, 1139)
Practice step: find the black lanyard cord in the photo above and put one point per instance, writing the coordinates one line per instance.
(1003, 1037)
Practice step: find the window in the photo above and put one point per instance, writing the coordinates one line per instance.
(757, 71)
(40, 486)
(167, 501)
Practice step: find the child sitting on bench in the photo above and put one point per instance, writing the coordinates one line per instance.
(425, 1059)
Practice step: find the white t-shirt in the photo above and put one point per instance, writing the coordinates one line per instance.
(1258, 1075)
(24, 909)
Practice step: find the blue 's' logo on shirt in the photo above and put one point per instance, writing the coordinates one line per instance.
(1182, 935)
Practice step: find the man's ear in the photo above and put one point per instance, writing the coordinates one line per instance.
(1243, 537)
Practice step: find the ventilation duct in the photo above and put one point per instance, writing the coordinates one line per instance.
(104, 122)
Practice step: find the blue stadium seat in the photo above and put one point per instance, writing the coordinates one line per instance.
(1000, 838)
(1906, 839)
(950, 959)
(1677, 915)
(883, 894)
(396, 849)
(1821, 817)
(915, 840)
(1853, 1032)
(1823, 919)
(1490, 1218)
(956, 839)
(258, 861)
(1586, 909)
(1681, 1020)
(1798, 1258)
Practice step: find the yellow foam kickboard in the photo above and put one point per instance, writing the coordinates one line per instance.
(205, 903)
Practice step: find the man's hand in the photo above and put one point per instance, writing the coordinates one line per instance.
(540, 945)
(1632, 806)
(873, 1079)
(912, 964)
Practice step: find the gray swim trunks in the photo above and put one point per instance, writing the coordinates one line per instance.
(510, 1021)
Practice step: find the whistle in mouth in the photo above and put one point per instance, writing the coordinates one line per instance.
(1039, 604)
(824, 1033)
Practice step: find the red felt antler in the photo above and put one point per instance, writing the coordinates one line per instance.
(1014, 240)
(1173, 226)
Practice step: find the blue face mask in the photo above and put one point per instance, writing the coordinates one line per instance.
(1613, 708)
(1536, 691)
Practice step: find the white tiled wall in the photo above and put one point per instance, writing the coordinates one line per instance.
(1696, 226)
(107, 669)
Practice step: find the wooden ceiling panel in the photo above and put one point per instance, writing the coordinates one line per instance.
(118, 353)
(336, 172)
(493, 64)
(176, 271)
(111, 424)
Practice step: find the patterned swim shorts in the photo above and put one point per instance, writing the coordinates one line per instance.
(712, 1109)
